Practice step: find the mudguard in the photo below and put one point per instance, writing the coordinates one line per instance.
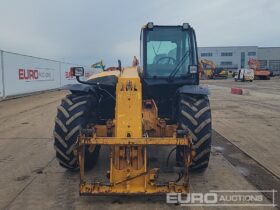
(194, 89)
(79, 88)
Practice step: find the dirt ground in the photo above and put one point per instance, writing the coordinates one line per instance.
(30, 177)
(250, 121)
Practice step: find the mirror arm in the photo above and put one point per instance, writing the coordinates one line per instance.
(84, 82)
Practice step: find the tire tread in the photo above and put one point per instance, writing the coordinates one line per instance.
(74, 113)
(195, 115)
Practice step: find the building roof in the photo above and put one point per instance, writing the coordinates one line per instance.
(238, 47)
(267, 47)
(227, 46)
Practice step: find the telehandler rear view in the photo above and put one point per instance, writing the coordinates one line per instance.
(159, 103)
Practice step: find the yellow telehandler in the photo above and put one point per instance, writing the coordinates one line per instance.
(129, 109)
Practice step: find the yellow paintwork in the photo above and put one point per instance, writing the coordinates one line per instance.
(129, 100)
(128, 161)
(207, 68)
(208, 73)
(128, 124)
(104, 74)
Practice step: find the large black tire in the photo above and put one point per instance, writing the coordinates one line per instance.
(195, 116)
(74, 113)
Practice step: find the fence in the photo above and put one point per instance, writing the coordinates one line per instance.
(22, 74)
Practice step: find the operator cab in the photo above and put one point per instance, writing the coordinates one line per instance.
(168, 57)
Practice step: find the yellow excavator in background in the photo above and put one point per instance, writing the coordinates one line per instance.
(207, 67)
(209, 70)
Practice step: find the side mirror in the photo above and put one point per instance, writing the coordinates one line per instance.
(193, 69)
(77, 71)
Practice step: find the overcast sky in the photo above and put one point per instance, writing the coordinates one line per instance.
(85, 31)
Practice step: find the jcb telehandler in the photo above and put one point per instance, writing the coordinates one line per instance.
(158, 103)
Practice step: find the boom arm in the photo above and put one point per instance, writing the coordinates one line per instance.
(253, 64)
(204, 62)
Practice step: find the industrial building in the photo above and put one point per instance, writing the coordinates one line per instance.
(269, 58)
(235, 57)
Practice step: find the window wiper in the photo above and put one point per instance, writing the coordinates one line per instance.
(176, 69)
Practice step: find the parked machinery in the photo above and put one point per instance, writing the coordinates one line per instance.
(259, 74)
(160, 103)
(209, 70)
(244, 75)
